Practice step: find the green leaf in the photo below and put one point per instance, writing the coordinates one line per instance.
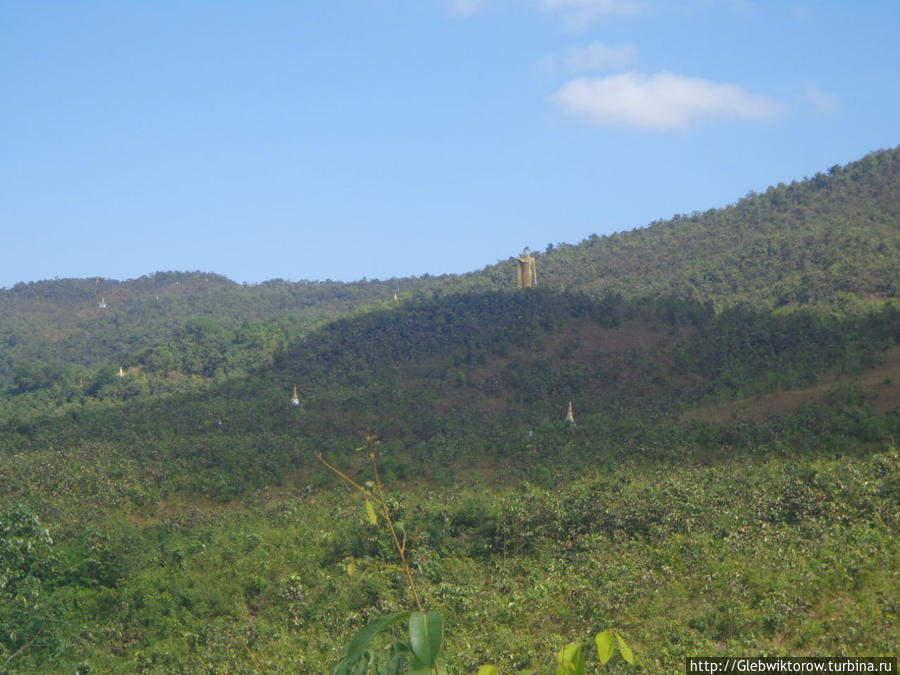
(606, 645)
(393, 666)
(488, 670)
(361, 640)
(397, 658)
(627, 654)
(425, 633)
(370, 513)
(418, 668)
(570, 660)
(361, 667)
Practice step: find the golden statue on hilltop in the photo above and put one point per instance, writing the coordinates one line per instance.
(527, 269)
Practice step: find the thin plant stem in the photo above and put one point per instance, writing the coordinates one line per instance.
(380, 500)
(400, 548)
(347, 478)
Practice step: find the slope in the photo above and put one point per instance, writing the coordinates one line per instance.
(829, 240)
(824, 240)
(464, 378)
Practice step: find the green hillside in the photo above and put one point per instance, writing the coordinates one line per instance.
(62, 321)
(729, 486)
(825, 240)
(828, 241)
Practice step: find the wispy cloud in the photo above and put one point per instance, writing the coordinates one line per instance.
(598, 56)
(660, 102)
(580, 13)
(820, 99)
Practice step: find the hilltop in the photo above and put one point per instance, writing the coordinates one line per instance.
(826, 240)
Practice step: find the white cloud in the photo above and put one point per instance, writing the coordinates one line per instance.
(579, 13)
(820, 99)
(598, 56)
(659, 102)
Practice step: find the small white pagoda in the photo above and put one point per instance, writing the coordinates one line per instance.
(569, 417)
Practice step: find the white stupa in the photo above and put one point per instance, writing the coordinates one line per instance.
(569, 417)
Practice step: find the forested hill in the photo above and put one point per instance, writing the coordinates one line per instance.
(817, 241)
(829, 240)
(63, 320)
(728, 479)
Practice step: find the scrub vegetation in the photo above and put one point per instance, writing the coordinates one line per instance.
(730, 484)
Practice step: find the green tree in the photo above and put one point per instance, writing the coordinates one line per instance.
(27, 620)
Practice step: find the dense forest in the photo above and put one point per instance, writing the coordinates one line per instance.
(729, 482)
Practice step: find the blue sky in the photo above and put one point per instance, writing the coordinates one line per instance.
(390, 138)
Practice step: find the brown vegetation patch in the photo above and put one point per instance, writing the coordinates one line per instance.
(599, 348)
(882, 379)
(585, 338)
